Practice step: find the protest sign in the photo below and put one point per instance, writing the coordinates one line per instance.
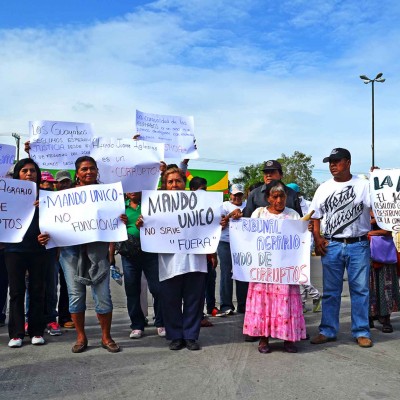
(16, 209)
(385, 198)
(7, 157)
(270, 250)
(135, 163)
(178, 221)
(176, 132)
(57, 145)
(82, 215)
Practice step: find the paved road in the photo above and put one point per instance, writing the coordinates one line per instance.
(226, 367)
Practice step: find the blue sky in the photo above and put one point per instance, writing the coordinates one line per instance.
(261, 78)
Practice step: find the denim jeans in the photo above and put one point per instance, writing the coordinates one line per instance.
(226, 282)
(133, 268)
(77, 291)
(355, 258)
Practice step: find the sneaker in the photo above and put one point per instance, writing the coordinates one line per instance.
(177, 344)
(161, 332)
(213, 313)
(136, 334)
(229, 311)
(26, 329)
(37, 340)
(317, 304)
(219, 313)
(15, 342)
(54, 329)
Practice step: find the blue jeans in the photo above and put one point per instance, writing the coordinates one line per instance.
(226, 282)
(133, 268)
(355, 258)
(77, 291)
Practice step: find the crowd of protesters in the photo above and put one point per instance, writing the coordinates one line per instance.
(183, 284)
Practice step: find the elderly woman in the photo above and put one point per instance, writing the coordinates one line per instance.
(76, 259)
(134, 264)
(27, 256)
(274, 310)
(182, 280)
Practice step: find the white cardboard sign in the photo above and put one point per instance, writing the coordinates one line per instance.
(270, 250)
(56, 144)
(385, 198)
(7, 157)
(83, 215)
(177, 132)
(178, 221)
(134, 163)
(16, 209)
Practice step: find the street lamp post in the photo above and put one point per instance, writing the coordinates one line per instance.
(366, 80)
(17, 138)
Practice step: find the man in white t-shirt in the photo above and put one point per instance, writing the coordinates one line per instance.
(224, 253)
(344, 203)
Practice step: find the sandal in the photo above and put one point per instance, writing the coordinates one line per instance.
(387, 328)
(289, 347)
(112, 347)
(263, 346)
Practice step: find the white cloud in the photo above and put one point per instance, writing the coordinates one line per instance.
(255, 90)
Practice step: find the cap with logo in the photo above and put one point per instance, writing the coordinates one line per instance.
(294, 186)
(337, 154)
(63, 174)
(237, 188)
(47, 177)
(271, 165)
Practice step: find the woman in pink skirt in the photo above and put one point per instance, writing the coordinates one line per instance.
(274, 310)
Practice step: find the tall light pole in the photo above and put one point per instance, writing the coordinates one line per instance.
(366, 80)
(17, 138)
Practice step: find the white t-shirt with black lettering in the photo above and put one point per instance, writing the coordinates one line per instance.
(345, 207)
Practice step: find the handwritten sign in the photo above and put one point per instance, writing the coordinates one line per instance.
(56, 145)
(270, 250)
(385, 198)
(16, 209)
(7, 157)
(181, 221)
(83, 215)
(135, 163)
(176, 132)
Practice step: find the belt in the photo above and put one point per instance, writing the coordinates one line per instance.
(349, 240)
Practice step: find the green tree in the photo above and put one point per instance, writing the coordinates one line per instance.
(296, 168)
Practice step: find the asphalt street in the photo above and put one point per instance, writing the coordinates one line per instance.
(225, 368)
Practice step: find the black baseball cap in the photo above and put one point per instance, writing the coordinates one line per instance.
(271, 165)
(337, 154)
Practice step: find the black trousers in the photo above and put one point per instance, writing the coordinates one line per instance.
(182, 321)
(17, 265)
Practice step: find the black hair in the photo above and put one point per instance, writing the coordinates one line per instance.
(21, 164)
(78, 163)
(197, 182)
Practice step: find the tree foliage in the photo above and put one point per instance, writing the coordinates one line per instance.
(296, 168)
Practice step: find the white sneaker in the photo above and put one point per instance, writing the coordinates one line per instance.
(15, 342)
(136, 334)
(37, 340)
(229, 312)
(161, 332)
